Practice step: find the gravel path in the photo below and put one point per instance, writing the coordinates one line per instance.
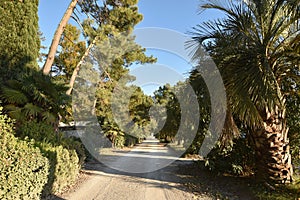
(161, 177)
(120, 182)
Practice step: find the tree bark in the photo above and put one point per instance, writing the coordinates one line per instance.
(77, 68)
(273, 158)
(56, 38)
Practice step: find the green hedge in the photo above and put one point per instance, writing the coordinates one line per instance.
(65, 154)
(64, 167)
(23, 170)
(33, 169)
(44, 133)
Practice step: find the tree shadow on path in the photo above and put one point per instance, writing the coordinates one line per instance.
(184, 175)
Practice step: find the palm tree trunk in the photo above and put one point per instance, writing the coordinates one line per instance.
(272, 149)
(56, 38)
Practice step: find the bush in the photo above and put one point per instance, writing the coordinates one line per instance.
(119, 141)
(64, 167)
(293, 122)
(75, 144)
(65, 154)
(237, 159)
(23, 169)
(39, 131)
(43, 132)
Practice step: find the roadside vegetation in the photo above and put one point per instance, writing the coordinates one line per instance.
(255, 47)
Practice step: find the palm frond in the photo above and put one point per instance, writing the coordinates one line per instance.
(13, 96)
(31, 110)
(253, 47)
(14, 112)
(49, 117)
(14, 84)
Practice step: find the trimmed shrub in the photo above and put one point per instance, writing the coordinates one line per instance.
(65, 154)
(64, 164)
(73, 143)
(23, 169)
(43, 132)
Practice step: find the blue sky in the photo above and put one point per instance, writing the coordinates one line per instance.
(178, 15)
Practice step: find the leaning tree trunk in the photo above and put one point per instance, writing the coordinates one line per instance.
(56, 38)
(77, 68)
(273, 158)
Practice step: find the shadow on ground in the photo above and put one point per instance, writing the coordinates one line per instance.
(183, 175)
(53, 197)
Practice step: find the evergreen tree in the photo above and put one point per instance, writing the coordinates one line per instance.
(113, 50)
(71, 51)
(19, 43)
(165, 96)
(107, 20)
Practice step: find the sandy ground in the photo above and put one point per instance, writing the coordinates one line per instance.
(146, 172)
(150, 171)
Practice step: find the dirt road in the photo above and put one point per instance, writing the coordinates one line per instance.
(121, 183)
(150, 171)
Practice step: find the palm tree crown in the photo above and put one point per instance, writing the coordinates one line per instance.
(256, 48)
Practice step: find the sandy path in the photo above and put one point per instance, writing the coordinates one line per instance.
(121, 183)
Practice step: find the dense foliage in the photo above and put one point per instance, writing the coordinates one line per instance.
(69, 55)
(64, 154)
(138, 107)
(113, 50)
(41, 160)
(19, 42)
(34, 97)
(23, 169)
(166, 96)
(293, 121)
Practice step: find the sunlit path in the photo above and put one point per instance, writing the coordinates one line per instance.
(146, 157)
(107, 183)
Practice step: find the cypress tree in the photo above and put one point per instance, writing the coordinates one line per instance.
(19, 38)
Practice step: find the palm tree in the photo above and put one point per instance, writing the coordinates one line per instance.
(256, 46)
